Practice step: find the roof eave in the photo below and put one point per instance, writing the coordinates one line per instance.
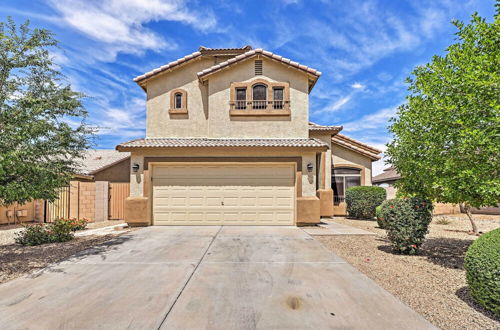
(83, 176)
(363, 153)
(203, 76)
(136, 148)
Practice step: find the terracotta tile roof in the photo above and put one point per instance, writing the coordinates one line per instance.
(313, 127)
(355, 145)
(262, 52)
(95, 160)
(224, 143)
(201, 51)
(167, 66)
(247, 47)
(389, 174)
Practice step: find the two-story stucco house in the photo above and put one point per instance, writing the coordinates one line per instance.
(228, 141)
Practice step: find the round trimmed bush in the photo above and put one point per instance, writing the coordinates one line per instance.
(406, 222)
(482, 266)
(362, 200)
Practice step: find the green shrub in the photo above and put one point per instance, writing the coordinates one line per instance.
(406, 222)
(76, 224)
(362, 201)
(36, 234)
(60, 231)
(380, 216)
(482, 266)
(33, 235)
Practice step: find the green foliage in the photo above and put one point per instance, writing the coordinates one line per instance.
(77, 224)
(482, 266)
(378, 212)
(442, 221)
(38, 146)
(362, 200)
(406, 222)
(35, 234)
(60, 231)
(446, 137)
(380, 215)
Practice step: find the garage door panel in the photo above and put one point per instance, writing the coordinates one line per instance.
(223, 194)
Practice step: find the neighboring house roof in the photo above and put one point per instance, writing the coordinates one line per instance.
(355, 145)
(313, 127)
(201, 51)
(96, 160)
(223, 143)
(389, 174)
(265, 53)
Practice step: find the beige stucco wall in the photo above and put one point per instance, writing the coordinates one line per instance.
(223, 125)
(208, 103)
(159, 122)
(308, 180)
(137, 178)
(345, 156)
(326, 167)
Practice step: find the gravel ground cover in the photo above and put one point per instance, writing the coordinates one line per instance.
(433, 282)
(17, 260)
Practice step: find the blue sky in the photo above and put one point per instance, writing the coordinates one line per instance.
(364, 48)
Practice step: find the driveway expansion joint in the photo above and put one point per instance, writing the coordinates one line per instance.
(189, 278)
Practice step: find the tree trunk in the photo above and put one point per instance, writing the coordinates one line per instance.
(467, 209)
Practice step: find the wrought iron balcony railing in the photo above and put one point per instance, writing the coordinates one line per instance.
(259, 104)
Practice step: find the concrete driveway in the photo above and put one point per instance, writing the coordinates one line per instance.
(204, 277)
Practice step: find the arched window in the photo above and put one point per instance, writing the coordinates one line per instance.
(178, 100)
(259, 96)
(342, 179)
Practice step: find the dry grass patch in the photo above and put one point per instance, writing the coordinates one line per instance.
(433, 282)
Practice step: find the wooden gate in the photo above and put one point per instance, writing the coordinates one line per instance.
(59, 208)
(118, 192)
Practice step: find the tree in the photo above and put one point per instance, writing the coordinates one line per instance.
(446, 142)
(38, 145)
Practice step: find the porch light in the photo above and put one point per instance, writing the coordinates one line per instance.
(135, 167)
(310, 167)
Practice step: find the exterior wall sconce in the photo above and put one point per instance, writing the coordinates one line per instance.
(135, 168)
(310, 167)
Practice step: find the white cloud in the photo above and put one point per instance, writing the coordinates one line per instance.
(125, 122)
(118, 25)
(334, 106)
(378, 166)
(357, 86)
(377, 120)
(384, 76)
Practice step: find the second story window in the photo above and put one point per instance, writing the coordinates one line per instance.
(278, 97)
(178, 100)
(259, 96)
(241, 98)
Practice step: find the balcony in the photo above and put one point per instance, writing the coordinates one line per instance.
(259, 107)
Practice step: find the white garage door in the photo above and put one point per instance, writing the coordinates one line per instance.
(231, 194)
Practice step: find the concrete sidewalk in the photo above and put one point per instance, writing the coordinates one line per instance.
(204, 278)
(330, 228)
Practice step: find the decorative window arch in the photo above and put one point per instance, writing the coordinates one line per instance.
(178, 101)
(260, 97)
